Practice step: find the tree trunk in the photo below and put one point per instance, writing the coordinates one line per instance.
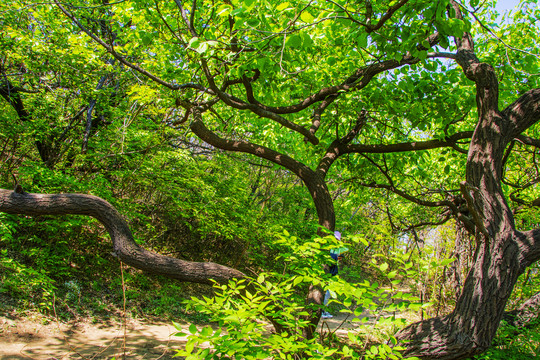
(470, 328)
(502, 253)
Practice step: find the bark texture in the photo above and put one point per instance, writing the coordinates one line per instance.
(124, 246)
(527, 314)
(502, 252)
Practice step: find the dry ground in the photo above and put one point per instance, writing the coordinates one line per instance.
(27, 338)
(33, 338)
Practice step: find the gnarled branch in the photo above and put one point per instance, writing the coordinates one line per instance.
(124, 246)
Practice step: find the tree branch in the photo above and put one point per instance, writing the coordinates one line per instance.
(449, 141)
(522, 114)
(198, 127)
(313, 181)
(124, 246)
(333, 151)
(239, 104)
(409, 197)
(121, 59)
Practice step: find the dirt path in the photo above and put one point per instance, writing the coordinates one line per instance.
(30, 338)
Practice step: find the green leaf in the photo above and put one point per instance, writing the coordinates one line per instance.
(194, 42)
(383, 267)
(362, 40)
(249, 4)
(331, 61)
(446, 262)
(282, 6)
(447, 169)
(193, 329)
(306, 17)
(207, 331)
(294, 41)
(224, 10)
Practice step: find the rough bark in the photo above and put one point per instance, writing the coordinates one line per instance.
(124, 246)
(502, 253)
(527, 314)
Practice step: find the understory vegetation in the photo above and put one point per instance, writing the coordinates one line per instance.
(197, 161)
(63, 268)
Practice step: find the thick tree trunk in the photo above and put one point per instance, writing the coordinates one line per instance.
(502, 253)
(470, 328)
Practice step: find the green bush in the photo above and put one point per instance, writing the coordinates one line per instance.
(514, 344)
(244, 309)
(34, 288)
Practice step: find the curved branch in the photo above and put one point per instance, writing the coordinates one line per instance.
(449, 141)
(386, 16)
(427, 223)
(527, 140)
(313, 181)
(409, 197)
(124, 246)
(198, 127)
(358, 80)
(333, 151)
(522, 114)
(237, 103)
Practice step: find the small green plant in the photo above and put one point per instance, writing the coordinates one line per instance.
(511, 343)
(269, 316)
(73, 291)
(33, 287)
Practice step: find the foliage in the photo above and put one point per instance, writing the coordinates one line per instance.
(19, 281)
(110, 119)
(514, 344)
(243, 310)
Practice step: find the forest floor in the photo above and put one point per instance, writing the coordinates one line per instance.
(35, 337)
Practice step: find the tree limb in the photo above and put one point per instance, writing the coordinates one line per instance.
(406, 146)
(124, 246)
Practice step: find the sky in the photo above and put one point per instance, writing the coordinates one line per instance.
(506, 5)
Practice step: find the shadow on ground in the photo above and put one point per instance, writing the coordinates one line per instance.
(23, 339)
(27, 338)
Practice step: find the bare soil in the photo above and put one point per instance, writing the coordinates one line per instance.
(32, 338)
(35, 337)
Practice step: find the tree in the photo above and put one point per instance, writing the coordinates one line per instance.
(263, 78)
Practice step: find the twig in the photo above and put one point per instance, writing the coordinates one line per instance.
(124, 313)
